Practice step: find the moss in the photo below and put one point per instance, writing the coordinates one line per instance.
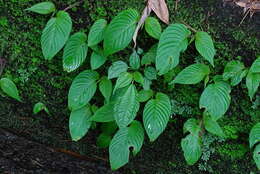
(233, 151)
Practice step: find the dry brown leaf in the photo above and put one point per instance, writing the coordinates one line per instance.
(160, 9)
(145, 14)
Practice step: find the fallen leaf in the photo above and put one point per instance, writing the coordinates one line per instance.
(160, 9)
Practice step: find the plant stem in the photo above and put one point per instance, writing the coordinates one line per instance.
(73, 5)
(188, 26)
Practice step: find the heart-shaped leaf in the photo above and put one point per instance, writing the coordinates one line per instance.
(170, 46)
(10, 88)
(82, 89)
(96, 33)
(124, 139)
(43, 8)
(75, 52)
(216, 99)
(79, 122)
(205, 46)
(192, 74)
(55, 34)
(120, 31)
(156, 115)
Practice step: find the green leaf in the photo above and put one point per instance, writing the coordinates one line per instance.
(79, 122)
(216, 99)
(126, 107)
(55, 34)
(150, 73)
(252, 83)
(191, 147)
(138, 77)
(97, 60)
(104, 114)
(156, 115)
(150, 56)
(82, 89)
(153, 27)
(147, 83)
(96, 33)
(212, 126)
(103, 140)
(120, 31)
(123, 80)
(106, 87)
(124, 139)
(43, 8)
(254, 136)
(10, 88)
(192, 126)
(135, 60)
(255, 68)
(205, 46)
(170, 46)
(38, 107)
(234, 70)
(257, 156)
(192, 74)
(116, 69)
(144, 95)
(75, 52)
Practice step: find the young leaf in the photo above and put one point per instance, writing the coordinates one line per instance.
(96, 33)
(170, 46)
(234, 70)
(191, 147)
(254, 136)
(105, 87)
(126, 107)
(255, 68)
(55, 34)
(144, 95)
(97, 60)
(103, 140)
(75, 52)
(153, 27)
(257, 156)
(192, 126)
(216, 99)
(38, 107)
(124, 139)
(150, 56)
(82, 89)
(156, 115)
(135, 60)
(147, 83)
(252, 83)
(212, 126)
(120, 31)
(79, 122)
(43, 8)
(104, 114)
(150, 73)
(10, 88)
(138, 77)
(116, 69)
(205, 46)
(192, 74)
(123, 80)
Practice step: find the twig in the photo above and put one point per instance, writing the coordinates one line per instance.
(244, 17)
(73, 5)
(188, 26)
